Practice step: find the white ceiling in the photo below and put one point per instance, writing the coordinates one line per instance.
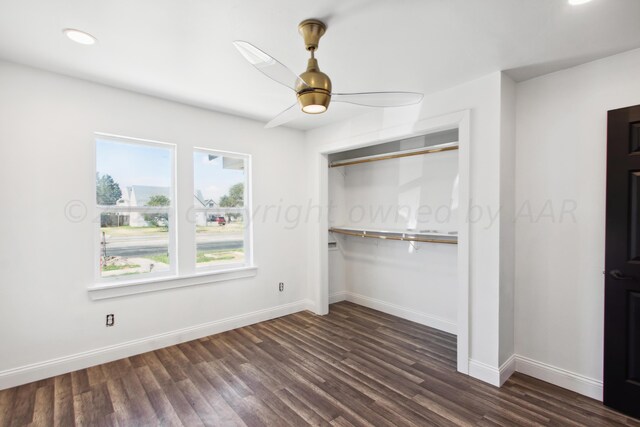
(181, 49)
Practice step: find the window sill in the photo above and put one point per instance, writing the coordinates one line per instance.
(115, 290)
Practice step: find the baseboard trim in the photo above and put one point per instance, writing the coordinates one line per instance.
(507, 369)
(49, 368)
(484, 372)
(396, 310)
(561, 377)
(542, 371)
(309, 305)
(337, 297)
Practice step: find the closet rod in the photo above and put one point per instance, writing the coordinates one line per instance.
(392, 156)
(404, 239)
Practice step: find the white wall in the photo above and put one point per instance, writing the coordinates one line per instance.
(560, 159)
(482, 97)
(418, 192)
(46, 146)
(418, 283)
(337, 216)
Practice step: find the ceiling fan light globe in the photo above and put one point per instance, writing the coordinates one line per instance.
(314, 109)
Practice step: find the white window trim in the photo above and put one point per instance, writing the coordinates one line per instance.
(113, 287)
(115, 290)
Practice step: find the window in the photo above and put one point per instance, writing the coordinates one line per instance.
(221, 208)
(135, 200)
(137, 225)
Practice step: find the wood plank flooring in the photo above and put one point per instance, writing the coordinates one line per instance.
(354, 367)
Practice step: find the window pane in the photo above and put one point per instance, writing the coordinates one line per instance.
(218, 180)
(219, 186)
(219, 241)
(132, 175)
(129, 250)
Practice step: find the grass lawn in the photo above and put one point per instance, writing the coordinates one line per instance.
(219, 255)
(203, 256)
(211, 256)
(118, 267)
(231, 227)
(164, 258)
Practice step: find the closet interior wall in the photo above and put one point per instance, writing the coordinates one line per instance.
(417, 281)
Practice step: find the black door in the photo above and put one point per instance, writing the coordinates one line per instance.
(622, 263)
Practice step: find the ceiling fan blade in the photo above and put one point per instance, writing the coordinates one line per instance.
(286, 116)
(269, 66)
(379, 99)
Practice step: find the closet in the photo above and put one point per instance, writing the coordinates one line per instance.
(393, 228)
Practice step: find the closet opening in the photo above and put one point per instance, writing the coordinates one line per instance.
(393, 227)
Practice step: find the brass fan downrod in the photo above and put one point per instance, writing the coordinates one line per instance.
(315, 96)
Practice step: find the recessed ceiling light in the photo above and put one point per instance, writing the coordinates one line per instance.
(577, 2)
(79, 36)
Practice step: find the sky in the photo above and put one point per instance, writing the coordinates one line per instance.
(138, 164)
(211, 178)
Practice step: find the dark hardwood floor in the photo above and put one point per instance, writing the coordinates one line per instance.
(355, 366)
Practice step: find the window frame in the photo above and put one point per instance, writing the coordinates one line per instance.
(171, 212)
(181, 273)
(245, 211)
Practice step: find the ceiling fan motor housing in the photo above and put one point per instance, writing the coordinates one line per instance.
(317, 90)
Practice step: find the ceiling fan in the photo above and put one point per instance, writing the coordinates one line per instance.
(313, 87)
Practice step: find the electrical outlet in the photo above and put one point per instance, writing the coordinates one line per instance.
(111, 319)
(281, 286)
